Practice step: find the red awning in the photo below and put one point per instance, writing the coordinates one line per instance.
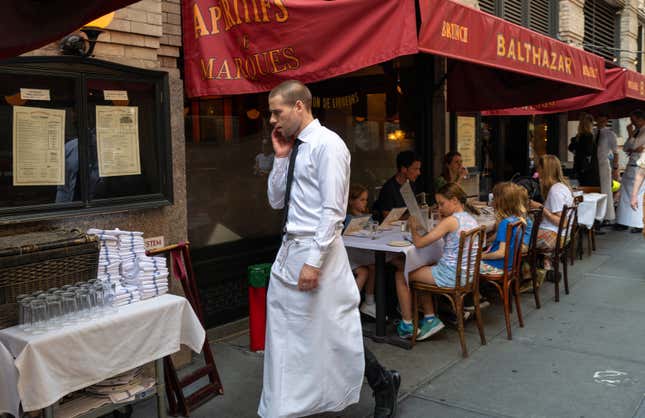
(26, 25)
(624, 92)
(496, 64)
(253, 46)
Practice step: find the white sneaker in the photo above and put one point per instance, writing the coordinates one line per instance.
(368, 309)
(482, 305)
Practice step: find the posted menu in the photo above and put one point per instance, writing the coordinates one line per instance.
(38, 146)
(117, 140)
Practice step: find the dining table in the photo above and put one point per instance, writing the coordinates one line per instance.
(387, 242)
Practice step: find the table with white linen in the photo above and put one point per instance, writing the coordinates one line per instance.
(592, 208)
(414, 259)
(56, 363)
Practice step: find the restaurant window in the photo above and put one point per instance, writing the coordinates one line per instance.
(601, 21)
(81, 136)
(229, 152)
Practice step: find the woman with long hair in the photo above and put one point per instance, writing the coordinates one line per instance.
(558, 194)
(585, 149)
(453, 170)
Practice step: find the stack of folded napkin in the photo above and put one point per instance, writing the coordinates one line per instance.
(126, 294)
(148, 274)
(123, 260)
(109, 257)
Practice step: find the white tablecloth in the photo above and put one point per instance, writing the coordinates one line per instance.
(9, 400)
(359, 249)
(56, 363)
(414, 257)
(593, 207)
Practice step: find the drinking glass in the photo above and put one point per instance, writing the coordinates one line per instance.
(24, 313)
(94, 310)
(52, 290)
(55, 311)
(39, 316)
(70, 308)
(100, 297)
(84, 304)
(109, 289)
(37, 293)
(21, 297)
(42, 296)
(372, 227)
(66, 287)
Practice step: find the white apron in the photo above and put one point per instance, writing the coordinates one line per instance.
(313, 359)
(625, 214)
(604, 169)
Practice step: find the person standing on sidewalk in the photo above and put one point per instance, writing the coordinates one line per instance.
(634, 146)
(314, 359)
(607, 163)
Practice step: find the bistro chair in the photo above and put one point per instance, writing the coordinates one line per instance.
(531, 255)
(470, 248)
(508, 279)
(562, 248)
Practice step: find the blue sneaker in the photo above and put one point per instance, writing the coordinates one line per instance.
(405, 330)
(427, 328)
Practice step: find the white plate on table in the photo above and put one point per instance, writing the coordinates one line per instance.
(399, 243)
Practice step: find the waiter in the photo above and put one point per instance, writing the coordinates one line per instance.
(314, 358)
(634, 146)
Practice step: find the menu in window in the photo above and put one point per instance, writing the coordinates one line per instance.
(117, 140)
(466, 140)
(38, 146)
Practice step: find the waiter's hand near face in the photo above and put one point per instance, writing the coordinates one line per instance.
(281, 145)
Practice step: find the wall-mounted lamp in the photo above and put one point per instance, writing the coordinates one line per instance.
(77, 44)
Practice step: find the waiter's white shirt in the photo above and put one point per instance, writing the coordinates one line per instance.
(607, 144)
(319, 191)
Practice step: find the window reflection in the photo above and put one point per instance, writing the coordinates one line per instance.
(229, 151)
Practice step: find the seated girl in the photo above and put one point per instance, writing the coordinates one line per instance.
(362, 262)
(509, 202)
(451, 201)
(558, 194)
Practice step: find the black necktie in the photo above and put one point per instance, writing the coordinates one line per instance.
(287, 194)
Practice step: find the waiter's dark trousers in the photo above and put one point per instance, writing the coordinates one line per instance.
(374, 372)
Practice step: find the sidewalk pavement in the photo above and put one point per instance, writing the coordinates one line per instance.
(582, 357)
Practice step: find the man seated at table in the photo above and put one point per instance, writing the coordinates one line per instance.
(408, 166)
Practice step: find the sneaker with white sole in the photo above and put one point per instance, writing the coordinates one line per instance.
(483, 304)
(428, 328)
(405, 330)
(368, 309)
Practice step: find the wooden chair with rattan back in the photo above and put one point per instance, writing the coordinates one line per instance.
(562, 248)
(576, 234)
(469, 256)
(509, 278)
(531, 255)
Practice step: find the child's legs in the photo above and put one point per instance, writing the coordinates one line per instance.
(424, 275)
(362, 274)
(546, 241)
(369, 284)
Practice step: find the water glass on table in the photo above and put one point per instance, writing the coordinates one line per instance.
(24, 313)
(55, 312)
(372, 227)
(39, 316)
(70, 308)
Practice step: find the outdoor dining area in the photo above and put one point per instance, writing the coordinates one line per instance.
(391, 245)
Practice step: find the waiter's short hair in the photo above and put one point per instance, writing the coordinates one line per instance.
(292, 91)
(406, 159)
(638, 114)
